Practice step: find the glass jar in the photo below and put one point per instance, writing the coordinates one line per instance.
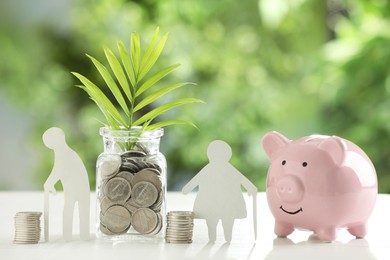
(131, 185)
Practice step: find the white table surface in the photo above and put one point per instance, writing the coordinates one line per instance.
(299, 245)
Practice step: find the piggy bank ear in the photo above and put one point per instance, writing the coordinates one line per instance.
(273, 142)
(335, 147)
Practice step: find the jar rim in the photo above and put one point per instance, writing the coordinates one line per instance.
(135, 131)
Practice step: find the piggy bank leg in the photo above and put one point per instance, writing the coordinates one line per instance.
(327, 234)
(283, 229)
(358, 231)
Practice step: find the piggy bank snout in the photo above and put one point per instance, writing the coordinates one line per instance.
(290, 189)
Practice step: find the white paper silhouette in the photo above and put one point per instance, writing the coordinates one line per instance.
(220, 196)
(70, 170)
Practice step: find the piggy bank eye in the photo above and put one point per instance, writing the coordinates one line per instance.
(283, 162)
(304, 164)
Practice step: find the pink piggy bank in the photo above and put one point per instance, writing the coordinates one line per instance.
(319, 183)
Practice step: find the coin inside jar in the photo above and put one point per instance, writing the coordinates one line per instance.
(130, 166)
(116, 219)
(144, 194)
(131, 206)
(145, 221)
(105, 203)
(148, 175)
(126, 175)
(110, 166)
(130, 154)
(157, 205)
(117, 190)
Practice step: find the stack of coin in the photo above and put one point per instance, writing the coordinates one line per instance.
(131, 193)
(180, 225)
(27, 227)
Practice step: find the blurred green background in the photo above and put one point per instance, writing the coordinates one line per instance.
(299, 67)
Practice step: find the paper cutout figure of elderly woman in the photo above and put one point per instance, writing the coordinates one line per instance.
(70, 170)
(220, 196)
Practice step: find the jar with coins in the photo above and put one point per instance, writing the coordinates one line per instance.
(131, 185)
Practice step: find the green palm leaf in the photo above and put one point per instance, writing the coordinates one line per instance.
(150, 49)
(98, 96)
(126, 61)
(111, 84)
(111, 120)
(163, 108)
(168, 123)
(156, 95)
(135, 50)
(107, 115)
(118, 71)
(151, 60)
(155, 78)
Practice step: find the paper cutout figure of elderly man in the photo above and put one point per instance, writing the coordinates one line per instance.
(70, 170)
(220, 196)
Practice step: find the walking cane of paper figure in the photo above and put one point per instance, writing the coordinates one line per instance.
(46, 215)
(254, 207)
(70, 170)
(220, 196)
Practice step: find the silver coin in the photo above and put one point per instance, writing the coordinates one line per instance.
(178, 234)
(179, 223)
(128, 176)
(117, 219)
(23, 242)
(152, 167)
(27, 221)
(105, 203)
(28, 214)
(117, 190)
(105, 230)
(144, 220)
(184, 229)
(28, 232)
(140, 164)
(110, 166)
(159, 225)
(27, 238)
(129, 166)
(178, 242)
(156, 168)
(131, 206)
(171, 226)
(130, 154)
(179, 220)
(181, 213)
(144, 194)
(177, 237)
(148, 175)
(157, 205)
(171, 241)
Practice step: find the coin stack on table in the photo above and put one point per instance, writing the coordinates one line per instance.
(27, 227)
(130, 194)
(180, 226)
